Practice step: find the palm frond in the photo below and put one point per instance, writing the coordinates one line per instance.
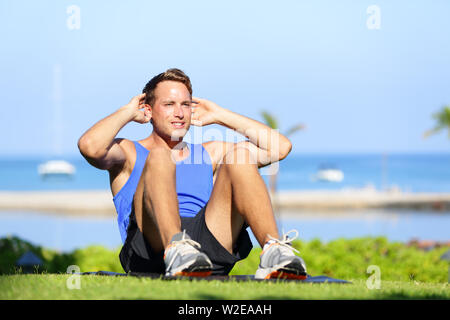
(294, 129)
(442, 119)
(270, 120)
(430, 132)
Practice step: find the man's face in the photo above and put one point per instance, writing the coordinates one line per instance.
(171, 112)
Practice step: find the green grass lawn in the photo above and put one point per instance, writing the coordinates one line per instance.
(406, 273)
(51, 286)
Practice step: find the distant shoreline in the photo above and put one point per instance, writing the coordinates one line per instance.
(99, 202)
(77, 156)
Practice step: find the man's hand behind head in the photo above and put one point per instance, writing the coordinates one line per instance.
(205, 112)
(141, 111)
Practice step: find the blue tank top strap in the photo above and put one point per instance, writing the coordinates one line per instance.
(124, 198)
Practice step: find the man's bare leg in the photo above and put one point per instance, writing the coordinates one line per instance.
(240, 194)
(156, 201)
(156, 209)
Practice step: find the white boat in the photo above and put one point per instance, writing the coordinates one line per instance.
(56, 167)
(329, 174)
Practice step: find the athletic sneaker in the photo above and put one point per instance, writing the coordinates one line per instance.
(278, 260)
(183, 258)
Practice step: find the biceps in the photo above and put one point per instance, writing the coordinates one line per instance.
(114, 157)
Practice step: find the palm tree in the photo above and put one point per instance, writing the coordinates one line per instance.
(442, 122)
(272, 122)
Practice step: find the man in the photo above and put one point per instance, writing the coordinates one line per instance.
(183, 209)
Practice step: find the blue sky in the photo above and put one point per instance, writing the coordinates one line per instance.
(315, 62)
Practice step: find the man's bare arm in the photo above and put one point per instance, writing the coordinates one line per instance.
(98, 144)
(265, 144)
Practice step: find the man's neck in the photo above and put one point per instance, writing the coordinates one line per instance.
(156, 140)
(179, 148)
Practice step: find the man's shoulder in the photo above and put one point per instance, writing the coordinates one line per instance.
(217, 144)
(127, 147)
(122, 141)
(125, 144)
(213, 146)
(128, 150)
(217, 149)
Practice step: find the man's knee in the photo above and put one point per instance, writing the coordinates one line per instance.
(158, 160)
(239, 155)
(160, 157)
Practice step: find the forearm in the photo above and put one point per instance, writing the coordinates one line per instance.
(261, 135)
(96, 140)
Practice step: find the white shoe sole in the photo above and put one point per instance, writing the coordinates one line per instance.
(288, 270)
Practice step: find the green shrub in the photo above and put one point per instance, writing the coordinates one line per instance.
(92, 258)
(11, 249)
(341, 258)
(350, 258)
(95, 258)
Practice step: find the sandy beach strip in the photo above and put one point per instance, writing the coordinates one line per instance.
(99, 202)
(360, 199)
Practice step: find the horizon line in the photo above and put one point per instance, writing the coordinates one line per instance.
(345, 152)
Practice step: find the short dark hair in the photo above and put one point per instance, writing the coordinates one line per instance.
(170, 75)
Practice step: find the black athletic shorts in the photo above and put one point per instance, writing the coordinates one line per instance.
(137, 255)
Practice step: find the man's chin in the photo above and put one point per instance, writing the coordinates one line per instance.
(178, 134)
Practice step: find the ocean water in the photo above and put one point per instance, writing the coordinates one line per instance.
(67, 233)
(409, 172)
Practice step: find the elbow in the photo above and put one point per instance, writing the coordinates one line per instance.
(285, 148)
(86, 148)
(83, 146)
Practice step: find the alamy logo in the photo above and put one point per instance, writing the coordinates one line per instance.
(74, 281)
(374, 281)
(74, 19)
(374, 20)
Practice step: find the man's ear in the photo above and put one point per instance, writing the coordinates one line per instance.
(148, 111)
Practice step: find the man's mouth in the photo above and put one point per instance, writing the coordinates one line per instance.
(178, 124)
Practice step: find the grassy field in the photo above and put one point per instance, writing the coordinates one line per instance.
(405, 273)
(101, 287)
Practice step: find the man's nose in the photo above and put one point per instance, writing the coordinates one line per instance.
(179, 111)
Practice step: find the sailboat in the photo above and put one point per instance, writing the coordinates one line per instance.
(56, 167)
(329, 173)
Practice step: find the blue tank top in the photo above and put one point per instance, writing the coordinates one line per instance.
(194, 183)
